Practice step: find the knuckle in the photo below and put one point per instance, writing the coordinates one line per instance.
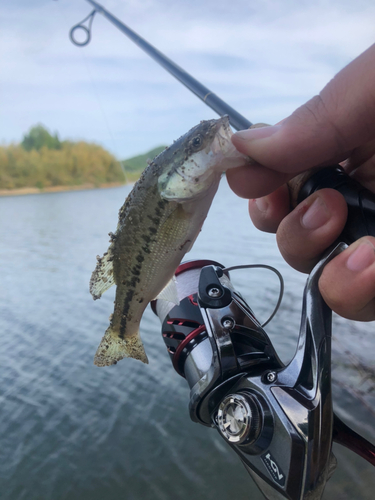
(322, 112)
(313, 111)
(262, 220)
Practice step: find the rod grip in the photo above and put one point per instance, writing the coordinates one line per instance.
(361, 201)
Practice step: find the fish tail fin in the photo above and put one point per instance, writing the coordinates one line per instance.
(112, 349)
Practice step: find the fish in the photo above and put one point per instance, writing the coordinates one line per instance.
(157, 225)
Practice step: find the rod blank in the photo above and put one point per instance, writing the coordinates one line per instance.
(237, 121)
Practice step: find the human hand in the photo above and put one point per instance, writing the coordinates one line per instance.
(336, 126)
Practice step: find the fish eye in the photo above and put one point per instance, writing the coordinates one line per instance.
(197, 141)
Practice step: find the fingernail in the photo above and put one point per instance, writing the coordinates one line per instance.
(316, 215)
(257, 133)
(362, 257)
(262, 204)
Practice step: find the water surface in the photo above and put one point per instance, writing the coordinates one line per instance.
(70, 430)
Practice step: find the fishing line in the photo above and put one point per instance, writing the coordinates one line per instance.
(271, 268)
(94, 88)
(96, 94)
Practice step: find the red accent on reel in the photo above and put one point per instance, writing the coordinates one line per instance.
(195, 264)
(192, 300)
(183, 344)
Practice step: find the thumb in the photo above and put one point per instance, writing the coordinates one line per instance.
(324, 130)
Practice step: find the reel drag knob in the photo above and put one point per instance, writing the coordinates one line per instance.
(239, 418)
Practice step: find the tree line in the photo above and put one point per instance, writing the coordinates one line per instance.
(41, 160)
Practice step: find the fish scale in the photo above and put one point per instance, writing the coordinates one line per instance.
(158, 224)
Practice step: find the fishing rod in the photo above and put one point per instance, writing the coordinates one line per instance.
(361, 202)
(237, 121)
(278, 419)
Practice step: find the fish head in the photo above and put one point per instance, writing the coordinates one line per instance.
(197, 161)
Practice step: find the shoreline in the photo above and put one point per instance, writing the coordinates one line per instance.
(58, 189)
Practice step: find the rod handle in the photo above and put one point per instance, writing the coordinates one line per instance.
(360, 201)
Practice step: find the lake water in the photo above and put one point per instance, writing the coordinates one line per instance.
(70, 430)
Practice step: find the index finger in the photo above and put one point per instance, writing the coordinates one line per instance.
(255, 181)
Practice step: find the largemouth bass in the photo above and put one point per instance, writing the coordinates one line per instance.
(158, 224)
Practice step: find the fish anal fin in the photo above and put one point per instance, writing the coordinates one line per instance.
(169, 292)
(112, 349)
(102, 278)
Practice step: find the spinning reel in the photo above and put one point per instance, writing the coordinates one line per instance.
(277, 418)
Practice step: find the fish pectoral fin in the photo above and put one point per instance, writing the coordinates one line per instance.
(169, 292)
(102, 278)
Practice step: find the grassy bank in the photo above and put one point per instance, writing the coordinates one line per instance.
(56, 189)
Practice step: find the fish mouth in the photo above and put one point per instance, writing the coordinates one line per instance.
(223, 133)
(223, 148)
(201, 168)
(223, 127)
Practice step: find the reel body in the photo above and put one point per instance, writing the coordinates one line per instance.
(277, 418)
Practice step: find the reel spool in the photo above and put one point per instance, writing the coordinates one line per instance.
(183, 327)
(212, 335)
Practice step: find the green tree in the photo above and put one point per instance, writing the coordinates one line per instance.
(38, 137)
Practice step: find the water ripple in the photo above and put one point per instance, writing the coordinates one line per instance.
(71, 431)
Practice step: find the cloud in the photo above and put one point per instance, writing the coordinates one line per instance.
(264, 58)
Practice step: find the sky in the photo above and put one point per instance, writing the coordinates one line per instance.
(263, 57)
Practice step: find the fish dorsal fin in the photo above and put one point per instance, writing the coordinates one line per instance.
(102, 278)
(169, 292)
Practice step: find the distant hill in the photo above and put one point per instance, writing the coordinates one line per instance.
(133, 167)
